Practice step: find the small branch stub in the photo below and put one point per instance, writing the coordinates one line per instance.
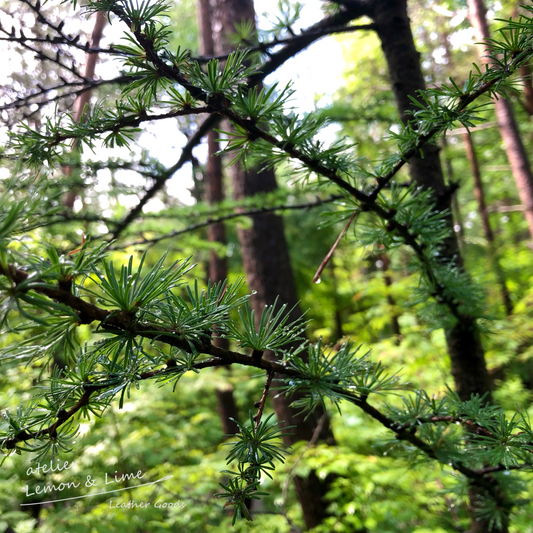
(257, 355)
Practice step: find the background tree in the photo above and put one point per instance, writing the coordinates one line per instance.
(507, 125)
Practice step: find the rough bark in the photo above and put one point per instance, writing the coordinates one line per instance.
(268, 271)
(514, 147)
(216, 233)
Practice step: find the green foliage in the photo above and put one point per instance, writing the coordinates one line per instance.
(289, 14)
(157, 325)
(255, 451)
(261, 104)
(218, 81)
(130, 291)
(134, 12)
(337, 377)
(202, 314)
(274, 331)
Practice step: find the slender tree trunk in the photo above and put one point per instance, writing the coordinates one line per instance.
(516, 152)
(484, 214)
(456, 210)
(79, 104)
(84, 98)
(198, 183)
(268, 271)
(90, 64)
(218, 264)
(465, 349)
(216, 233)
(480, 196)
(525, 71)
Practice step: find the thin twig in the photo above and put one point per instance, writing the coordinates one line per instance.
(222, 218)
(330, 253)
(261, 403)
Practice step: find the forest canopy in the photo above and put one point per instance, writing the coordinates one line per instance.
(226, 306)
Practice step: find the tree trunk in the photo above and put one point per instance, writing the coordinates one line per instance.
(480, 197)
(84, 98)
(479, 191)
(466, 352)
(268, 272)
(525, 70)
(90, 64)
(464, 344)
(216, 233)
(484, 214)
(218, 265)
(516, 152)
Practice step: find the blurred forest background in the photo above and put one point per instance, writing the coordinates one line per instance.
(363, 293)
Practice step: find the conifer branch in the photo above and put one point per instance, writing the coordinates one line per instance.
(315, 32)
(368, 202)
(86, 85)
(133, 306)
(274, 62)
(113, 321)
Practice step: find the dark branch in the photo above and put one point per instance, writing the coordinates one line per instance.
(503, 468)
(367, 202)
(132, 121)
(60, 40)
(305, 38)
(230, 216)
(87, 85)
(317, 33)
